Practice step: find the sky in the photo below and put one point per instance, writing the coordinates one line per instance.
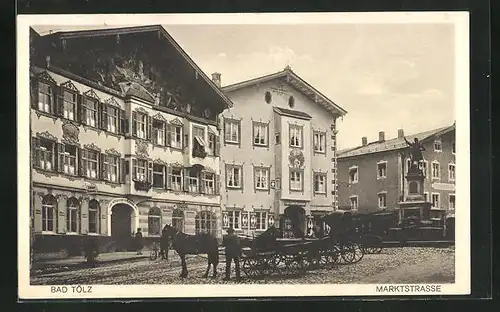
(386, 76)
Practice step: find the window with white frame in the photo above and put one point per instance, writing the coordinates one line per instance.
(233, 176)
(208, 183)
(231, 131)
(45, 97)
(319, 142)
(451, 172)
(68, 158)
(354, 202)
(435, 170)
(141, 170)
(176, 136)
(423, 167)
(261, 178)
(295, 136)
(90, 163)
(234, 219)
(158, 176)
(437, 146)
(69, 104)
(353, 174)
(90, 109)
(260, 133)
(319, 183)
(176, 179)
(72, 215)
(193, 181)
(452, 202)
(382, 200)
(94, 216)
(296, 178)
(154, 221)
(382, 170)
(261, 220)
(158, 132)
(436, 200)
(45, 151)
(49, 203)
(141, 125)
(112, 164)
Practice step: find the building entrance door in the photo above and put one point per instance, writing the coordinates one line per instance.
(121, 226)
(294, 221)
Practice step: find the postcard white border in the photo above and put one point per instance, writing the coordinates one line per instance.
(462, 211)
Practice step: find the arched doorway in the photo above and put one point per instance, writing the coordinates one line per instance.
(294, 221)
(121, 226)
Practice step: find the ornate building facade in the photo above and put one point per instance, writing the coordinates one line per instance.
(278, 155)
(124, 136)
(372, 175)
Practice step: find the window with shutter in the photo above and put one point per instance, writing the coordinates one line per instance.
(134, 123)
(123, 172)
(134, 169)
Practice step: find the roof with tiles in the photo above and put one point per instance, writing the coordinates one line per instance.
(297, 82)
(392, 144)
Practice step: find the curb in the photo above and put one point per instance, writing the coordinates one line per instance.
(58, 268)
(391, 244)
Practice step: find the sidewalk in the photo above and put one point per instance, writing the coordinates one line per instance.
(56, 265)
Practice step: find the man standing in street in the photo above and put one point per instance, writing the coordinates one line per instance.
(138, 241)
(231, 243)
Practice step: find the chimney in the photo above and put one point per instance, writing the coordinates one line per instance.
(216, 79)
(381, 136)
(401, 133)
(364, 141)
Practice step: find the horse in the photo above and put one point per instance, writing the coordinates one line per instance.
(185, 244)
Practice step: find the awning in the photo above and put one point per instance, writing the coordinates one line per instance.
(200, 141)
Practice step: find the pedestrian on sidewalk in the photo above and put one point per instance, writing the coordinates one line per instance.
(232, 246)
(138, 241)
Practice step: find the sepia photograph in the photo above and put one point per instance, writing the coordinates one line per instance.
(223, 155)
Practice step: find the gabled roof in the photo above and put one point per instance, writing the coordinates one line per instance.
(291, 113)
(393, 144)
(298, 83)
(143, 29)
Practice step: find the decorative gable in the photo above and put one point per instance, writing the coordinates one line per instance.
(91, 93)
(111, 101)
(45, 76)
(176, 121)
(159, 117)
(69, 85)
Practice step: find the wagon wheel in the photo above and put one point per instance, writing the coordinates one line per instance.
(294, 263)
(248, 266)
(329, 257)
(313, 259)
(372, 244)
(352, 253)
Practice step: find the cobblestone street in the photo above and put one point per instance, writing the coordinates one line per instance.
(393, 265)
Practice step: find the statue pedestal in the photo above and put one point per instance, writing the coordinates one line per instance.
(414, 203)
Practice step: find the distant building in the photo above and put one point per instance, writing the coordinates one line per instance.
(278, 154)
(372, 176)
(124, 136)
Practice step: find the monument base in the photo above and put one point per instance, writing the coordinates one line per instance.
(420, 209)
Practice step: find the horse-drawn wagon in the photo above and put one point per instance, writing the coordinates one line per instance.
(270, 254)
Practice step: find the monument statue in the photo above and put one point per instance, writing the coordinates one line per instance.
(416, 150)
